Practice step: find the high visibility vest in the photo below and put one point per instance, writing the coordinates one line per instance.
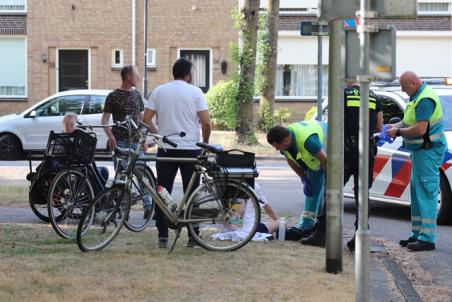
(302, 131)
(352, 99)
(436, 120)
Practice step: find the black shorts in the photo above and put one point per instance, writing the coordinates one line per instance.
(262, 228)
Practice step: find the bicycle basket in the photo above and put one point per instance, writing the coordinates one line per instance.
(71, 148)
(236, 159)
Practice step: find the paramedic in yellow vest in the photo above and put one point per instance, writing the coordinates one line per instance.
(423, 134)
(303, 145)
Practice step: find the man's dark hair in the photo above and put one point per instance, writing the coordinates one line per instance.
(277, 134)
(126, 70)
(182, 68)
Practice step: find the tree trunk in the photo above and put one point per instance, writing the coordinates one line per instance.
(249, 26)
(270, 53)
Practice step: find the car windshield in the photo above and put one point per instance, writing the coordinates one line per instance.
(446, 101)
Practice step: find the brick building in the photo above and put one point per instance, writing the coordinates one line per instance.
(53, 45)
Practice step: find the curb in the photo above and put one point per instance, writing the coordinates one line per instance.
(403, 283)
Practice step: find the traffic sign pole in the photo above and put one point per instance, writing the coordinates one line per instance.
(319, 75)
(335, 149)
(362, 255)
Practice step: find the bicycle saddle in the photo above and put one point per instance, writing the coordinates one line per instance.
(211, 148)
(118, 151)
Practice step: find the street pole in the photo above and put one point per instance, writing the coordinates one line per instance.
(145, 71)
(362, 256)
(319, 75)
(335, 149)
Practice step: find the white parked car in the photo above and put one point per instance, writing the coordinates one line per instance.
(29, 130)
(392, 169)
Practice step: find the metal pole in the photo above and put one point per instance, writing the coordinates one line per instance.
(362, 255)
(145, 72)
(319, 75)
(335, 149)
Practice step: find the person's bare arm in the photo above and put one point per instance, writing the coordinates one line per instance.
(379, 125)
(111, 138)
(206, 125)
(322, 157)
(148, 115)
(416, 130)
(270, 212)
(296, 168)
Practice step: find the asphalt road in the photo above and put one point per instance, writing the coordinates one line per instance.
(283, 189)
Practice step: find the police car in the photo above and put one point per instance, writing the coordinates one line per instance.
(392, 169)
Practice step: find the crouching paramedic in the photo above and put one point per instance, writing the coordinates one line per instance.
(303, 145)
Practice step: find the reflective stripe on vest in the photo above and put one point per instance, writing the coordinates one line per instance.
(354, 101)
(302, 131)
(409, 118)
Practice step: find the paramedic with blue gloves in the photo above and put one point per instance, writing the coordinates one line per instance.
(423, 134)
(303, 145)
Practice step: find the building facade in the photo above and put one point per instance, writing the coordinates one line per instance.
(53, 45)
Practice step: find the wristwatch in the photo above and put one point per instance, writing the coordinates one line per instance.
(398, 132)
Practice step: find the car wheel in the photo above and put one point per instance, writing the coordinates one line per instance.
(444, 202)
(10, 147)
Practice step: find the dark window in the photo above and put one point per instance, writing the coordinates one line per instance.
(96, 105)
(390, 109)
(61, 105)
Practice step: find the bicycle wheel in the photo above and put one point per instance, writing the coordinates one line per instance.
(141, 204)
(110, 210)
(230, 214)
(69, 195)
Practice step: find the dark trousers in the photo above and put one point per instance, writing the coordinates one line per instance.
(351, 168)
(166, 173)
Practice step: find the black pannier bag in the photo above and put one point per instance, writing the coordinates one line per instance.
(235, 164)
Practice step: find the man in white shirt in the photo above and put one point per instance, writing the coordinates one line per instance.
(179, 107)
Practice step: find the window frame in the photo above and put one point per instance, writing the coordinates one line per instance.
(9, 97)
(121, 58)
(302, 97)
(151, 60)
(435, 13)
(7, 11)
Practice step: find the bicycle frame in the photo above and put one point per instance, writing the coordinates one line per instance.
(174, 218)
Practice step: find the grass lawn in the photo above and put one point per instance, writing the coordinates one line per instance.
(14, 195)
(38, 266)
(228, 140)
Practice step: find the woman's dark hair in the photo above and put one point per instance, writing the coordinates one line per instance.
(182, 68)
(126, 70)
(277, 134)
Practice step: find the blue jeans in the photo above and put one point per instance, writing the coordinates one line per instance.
(146, 195)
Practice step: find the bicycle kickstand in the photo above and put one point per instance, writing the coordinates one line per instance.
(178, 231)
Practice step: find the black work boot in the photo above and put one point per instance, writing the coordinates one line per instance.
(420, 246)
(404, 243)
(351, 244)
(317, 238)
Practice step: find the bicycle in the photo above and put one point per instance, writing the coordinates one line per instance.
(223, 202)
(79, 181)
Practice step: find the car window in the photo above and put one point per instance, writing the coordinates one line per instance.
(390, 109)
(446, 101)
(96, 104)
(59, 106)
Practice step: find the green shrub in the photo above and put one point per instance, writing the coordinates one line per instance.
(221, 99)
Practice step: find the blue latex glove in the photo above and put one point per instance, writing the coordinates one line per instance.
(306, 186)
(384, 136)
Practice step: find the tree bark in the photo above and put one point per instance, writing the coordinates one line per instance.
(270, 54)
(249, 27)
